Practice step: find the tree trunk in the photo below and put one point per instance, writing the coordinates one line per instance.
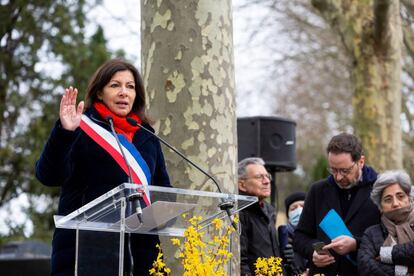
(187, 67)
(371, 33)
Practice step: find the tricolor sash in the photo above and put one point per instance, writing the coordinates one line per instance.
(139, 168)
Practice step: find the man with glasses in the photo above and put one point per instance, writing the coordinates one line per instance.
(347, 191)
(258, 222)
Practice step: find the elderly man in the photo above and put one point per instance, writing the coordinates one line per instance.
(347, 192)
(258, 221)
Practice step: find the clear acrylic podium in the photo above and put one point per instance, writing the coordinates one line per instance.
(103, 222)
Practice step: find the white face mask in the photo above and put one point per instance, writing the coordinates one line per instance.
(294, 216)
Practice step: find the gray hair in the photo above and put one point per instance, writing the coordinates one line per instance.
(242, 166)
(388, 178)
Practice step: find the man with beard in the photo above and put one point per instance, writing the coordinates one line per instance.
(347, 191)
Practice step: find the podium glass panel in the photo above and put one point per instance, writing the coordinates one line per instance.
(161, 217)
(102, 223)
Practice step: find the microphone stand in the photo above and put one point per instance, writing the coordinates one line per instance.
(133, 198)
(225, 205)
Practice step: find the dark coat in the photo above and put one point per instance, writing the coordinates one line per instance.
(373, 239)
(324, 196)
(84, 171)
(371, 243)
(258, 236)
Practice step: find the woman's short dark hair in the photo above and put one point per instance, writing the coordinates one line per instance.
(346, 143)
(103, 75)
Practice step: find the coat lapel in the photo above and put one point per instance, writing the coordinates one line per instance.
(362, 195)
(331, 194)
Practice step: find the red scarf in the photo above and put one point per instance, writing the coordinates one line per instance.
(120, 123)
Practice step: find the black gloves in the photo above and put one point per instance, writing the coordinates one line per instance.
(288, 254)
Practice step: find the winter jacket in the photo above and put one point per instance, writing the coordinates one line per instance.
(369, 250)
(258, 235)
(373, 239)
(84, 171)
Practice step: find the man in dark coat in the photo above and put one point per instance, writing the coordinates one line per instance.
(258, 222)
(347, 191)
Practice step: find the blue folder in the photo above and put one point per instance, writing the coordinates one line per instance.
(333, 225)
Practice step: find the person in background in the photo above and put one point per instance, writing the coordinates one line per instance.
(346, 191)
(393, 194)
(75, 160)
(294, 263)
(258, 221)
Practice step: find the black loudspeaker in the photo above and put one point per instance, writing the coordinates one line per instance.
(271, 138)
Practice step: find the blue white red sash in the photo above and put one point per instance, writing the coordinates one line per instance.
(139, 168)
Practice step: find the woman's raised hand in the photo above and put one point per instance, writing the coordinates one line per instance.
(70, 115)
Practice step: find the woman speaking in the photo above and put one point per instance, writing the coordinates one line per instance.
(75, 159)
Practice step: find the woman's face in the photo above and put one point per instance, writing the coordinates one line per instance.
(119, 93)
(296, 204)
(393, 197)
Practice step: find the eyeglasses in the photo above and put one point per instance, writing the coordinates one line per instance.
(259, 177)
(343, 172)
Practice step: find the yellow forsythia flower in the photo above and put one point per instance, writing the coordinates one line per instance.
(158, 266)
(268, 266)
(217, 223)
(176, 242)
(199, 257)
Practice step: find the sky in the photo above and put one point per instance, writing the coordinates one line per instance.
(121, 23)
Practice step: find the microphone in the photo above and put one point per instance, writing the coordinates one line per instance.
(134, 198)
(225, 205)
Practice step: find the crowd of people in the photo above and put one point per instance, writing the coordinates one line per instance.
(354, 222)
